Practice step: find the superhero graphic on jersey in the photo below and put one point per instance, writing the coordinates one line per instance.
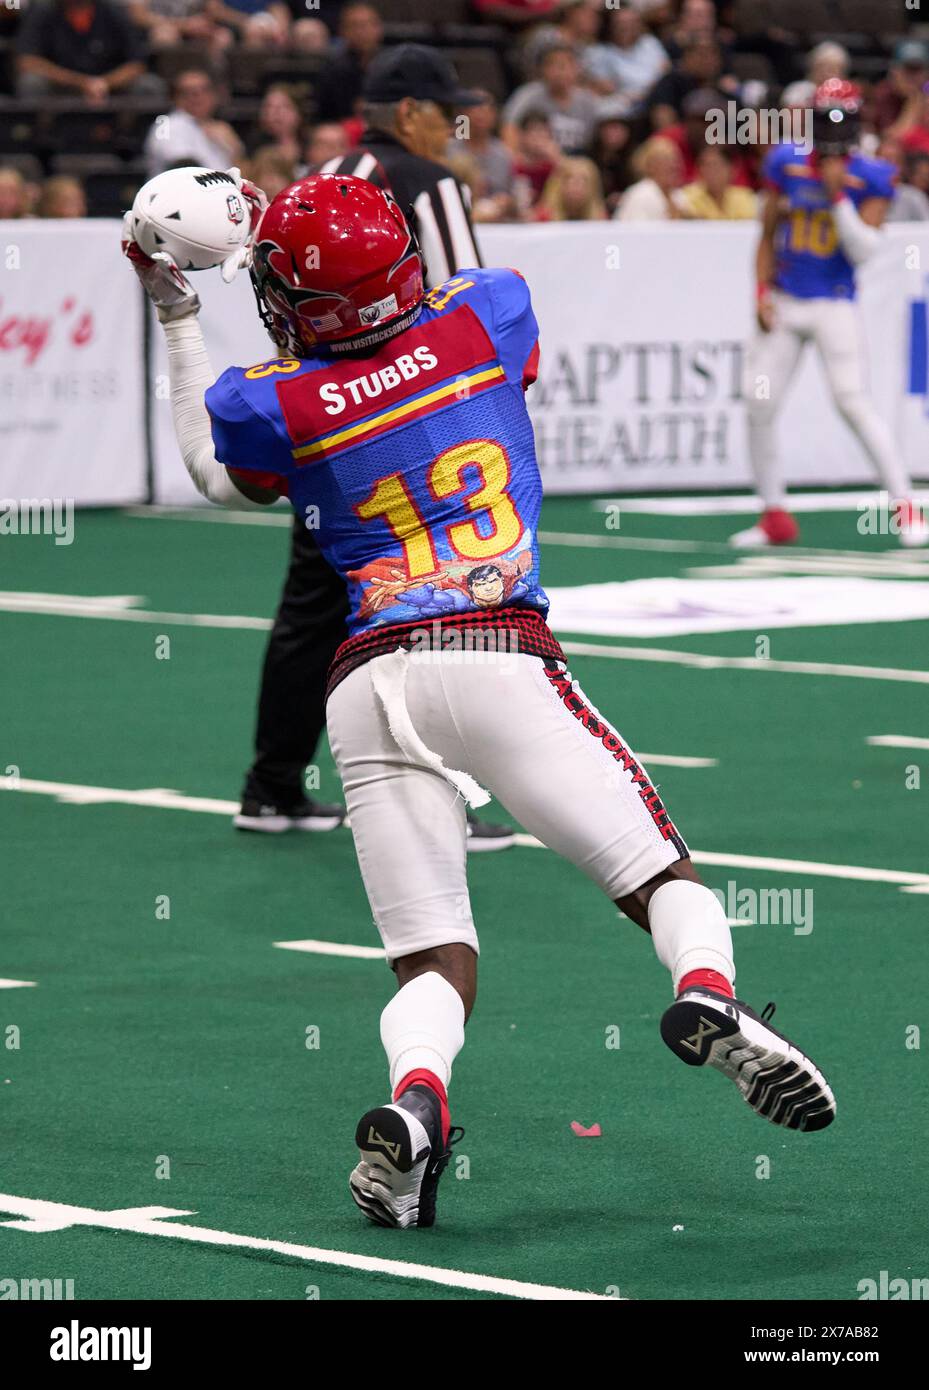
(390, 596)
(810, 262)
(418, 461)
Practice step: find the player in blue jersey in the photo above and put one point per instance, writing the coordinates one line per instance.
(395, 422)
(821, 221)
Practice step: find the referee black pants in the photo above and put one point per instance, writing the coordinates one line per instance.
(310, 625)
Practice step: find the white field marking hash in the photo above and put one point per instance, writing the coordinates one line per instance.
(41, 1216)
(333, 948)
(897, 741)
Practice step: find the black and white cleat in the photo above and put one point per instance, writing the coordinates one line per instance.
(777, 1080)
(402, 1158)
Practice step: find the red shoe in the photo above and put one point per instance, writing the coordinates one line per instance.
(774, 527)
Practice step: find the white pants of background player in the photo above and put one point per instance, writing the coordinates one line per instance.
(834, 327)
(498, 719)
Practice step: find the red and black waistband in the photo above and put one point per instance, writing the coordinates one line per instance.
(512, 630)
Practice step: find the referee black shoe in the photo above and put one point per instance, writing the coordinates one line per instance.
(776, 1079)
(402, 1157)
(305, 814)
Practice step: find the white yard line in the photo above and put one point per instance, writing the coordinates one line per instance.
(17, 984)
(161, 798)
(41, 1216)
(897, 741)
(115, 609)
(727, 504)
(702, 662)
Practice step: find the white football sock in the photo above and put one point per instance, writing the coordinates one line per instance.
(423, 1026)
(690, 930)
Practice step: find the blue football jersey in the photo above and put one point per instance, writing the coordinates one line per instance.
(415, 466)
(810, 262)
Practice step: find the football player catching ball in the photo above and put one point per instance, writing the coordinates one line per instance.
(399, 417)
(821, 221)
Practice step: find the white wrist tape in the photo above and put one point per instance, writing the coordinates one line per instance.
(190, 374)
(858, 240)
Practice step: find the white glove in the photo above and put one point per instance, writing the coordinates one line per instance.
(173, 296)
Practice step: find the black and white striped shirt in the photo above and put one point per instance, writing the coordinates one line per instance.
(429, 194)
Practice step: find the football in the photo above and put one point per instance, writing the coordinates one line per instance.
(197, 216)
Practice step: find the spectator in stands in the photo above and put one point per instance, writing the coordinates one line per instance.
(14, 195)
(713, 194)
(912, 129)
(631, 63)
(576, 23)
(652, 198)
(897, 100)
(261, 24)
(700, 66)
(612, 151)
(690, 135)
(190, 132)
(827, 60)
(326, 142)
(271, 170)
(534, 160)
(492, 159)
(309, 36)
(280, 123)
(516, 14)
(557, 94)
(167, 23)
(85, 47)
(62, 197)
(573, 193)
(910, 202)
(696, 20)
(361, 37)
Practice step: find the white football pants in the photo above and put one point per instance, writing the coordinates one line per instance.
(520, 728)
(834, 326)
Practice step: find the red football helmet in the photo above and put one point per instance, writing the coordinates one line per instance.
(335, 263)
(836, 112)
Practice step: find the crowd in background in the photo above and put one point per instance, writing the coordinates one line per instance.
(600, 111)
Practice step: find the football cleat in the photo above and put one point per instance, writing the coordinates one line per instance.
(913, 529)
(777, 1080)
(774, 527)
(269, 819)
(402, 1159)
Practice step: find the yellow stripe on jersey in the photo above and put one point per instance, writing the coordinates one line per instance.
(454, 388)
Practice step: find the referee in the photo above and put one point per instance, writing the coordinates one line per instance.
(410, 96)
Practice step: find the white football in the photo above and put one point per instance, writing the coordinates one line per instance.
(198, 216)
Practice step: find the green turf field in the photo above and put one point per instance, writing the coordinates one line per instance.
(160, 1060)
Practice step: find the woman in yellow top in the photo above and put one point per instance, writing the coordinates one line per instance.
(712, 194)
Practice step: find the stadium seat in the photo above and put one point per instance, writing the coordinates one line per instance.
(868, 17)
(109, 182)
(479, 67)
(472, 36)
(251, 72)
(170, 61)
(69, 126)
(17, 126)
(753, 67)
(411, 11)
(408, 33)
